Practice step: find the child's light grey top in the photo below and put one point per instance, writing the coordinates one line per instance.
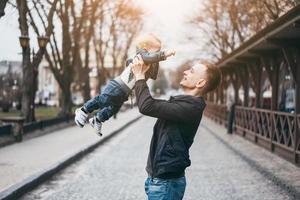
(125, 77)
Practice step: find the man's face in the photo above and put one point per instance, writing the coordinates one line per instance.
(194, 77)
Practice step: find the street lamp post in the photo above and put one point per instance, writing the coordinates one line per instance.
(27, 112)
(42, 41)
(30, 73)
(24, 41)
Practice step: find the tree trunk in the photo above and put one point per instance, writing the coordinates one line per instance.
(98, 85)
(86, 90)
(66, 101)
(27, 89)
(2, 7)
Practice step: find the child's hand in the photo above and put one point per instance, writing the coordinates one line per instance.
(169, 53)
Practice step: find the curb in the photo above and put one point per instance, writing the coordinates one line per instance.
(34, 180)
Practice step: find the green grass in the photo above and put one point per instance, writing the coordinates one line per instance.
(40, 113)
(46, 112)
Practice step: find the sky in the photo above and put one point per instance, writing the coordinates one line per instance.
(165, 18)
(169, 20)
(9, 33)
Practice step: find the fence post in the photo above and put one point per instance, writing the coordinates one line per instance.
(297, 105)
(231, 119)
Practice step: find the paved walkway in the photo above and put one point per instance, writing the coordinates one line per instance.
(21, 160)
(224, 167)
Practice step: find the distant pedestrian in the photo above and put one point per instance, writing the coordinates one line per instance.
(173, 134)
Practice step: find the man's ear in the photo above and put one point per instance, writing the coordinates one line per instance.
(201, 83)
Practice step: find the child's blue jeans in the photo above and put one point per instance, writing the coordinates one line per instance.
(109, 101)
(165, 189)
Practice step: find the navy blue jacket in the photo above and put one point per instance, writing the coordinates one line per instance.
(174, 130)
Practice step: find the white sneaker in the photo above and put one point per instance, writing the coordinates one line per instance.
(96, 124)
(80, 117)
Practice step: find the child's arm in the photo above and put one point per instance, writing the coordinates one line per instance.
(154, 57)
(169, 53)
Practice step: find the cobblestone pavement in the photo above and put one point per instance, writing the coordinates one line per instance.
(21, 160)
(115, 171)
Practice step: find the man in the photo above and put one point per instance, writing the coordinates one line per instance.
(177, 123)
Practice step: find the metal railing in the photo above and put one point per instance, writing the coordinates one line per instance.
(216, 112)
(277, 131)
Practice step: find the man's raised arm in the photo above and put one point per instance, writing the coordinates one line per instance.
(158, 108)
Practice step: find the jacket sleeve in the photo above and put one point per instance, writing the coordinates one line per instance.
(157, 108)
(153, 57)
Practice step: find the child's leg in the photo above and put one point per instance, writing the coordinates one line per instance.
(128, 78)
(80, 117)
(101, 116)
(81, 114)
(96, 102)
(107, 112)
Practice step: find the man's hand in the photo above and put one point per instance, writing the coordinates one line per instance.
(139, 68)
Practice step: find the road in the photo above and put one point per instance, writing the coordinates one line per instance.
(116, 171)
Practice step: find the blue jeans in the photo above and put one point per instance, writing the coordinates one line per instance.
(165, 189)
(109, 101)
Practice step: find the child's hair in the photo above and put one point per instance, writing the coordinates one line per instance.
(147, 41)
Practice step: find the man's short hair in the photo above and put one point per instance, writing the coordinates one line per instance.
(213, 78)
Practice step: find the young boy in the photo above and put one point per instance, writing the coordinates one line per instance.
(117, 90)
